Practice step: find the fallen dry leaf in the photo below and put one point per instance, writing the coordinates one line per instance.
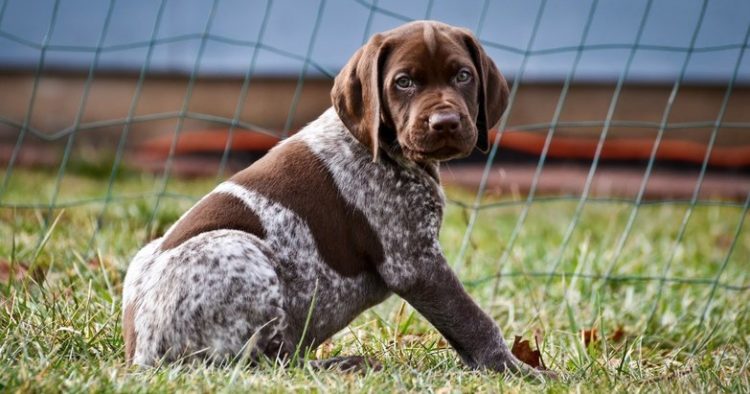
(19, 271)
(589, 336)
(618, 335)
(592, 335)
(8, 270)
(522, 350)
(93, 263)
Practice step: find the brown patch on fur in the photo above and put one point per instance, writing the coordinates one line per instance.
(215, 212)
(128, 332)
(294, 177)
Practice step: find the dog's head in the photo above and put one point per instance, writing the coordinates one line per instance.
(426, 85)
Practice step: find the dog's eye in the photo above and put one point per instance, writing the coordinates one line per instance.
(404, 82)
(463, 76)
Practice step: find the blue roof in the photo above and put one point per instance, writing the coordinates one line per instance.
(326, 33)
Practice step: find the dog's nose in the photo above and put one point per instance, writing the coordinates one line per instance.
(444, 121)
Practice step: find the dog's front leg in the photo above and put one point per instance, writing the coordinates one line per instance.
(435, 291)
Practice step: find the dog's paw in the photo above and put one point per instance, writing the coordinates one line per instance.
(528, 372)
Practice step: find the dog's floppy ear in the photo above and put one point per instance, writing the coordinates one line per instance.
(493, 90)
(356, 93)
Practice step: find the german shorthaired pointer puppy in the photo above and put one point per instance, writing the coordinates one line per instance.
(331, 221)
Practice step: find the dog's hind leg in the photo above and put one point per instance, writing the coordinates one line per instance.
(216, 296)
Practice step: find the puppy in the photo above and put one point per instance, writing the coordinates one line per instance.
(332, 220)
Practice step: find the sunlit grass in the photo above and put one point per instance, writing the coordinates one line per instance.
(62, 331)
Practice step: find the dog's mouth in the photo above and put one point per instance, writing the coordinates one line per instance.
(419, 146)
(441, 150)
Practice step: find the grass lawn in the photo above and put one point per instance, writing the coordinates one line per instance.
(689, 332)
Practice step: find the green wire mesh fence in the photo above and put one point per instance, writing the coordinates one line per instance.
(610, 271)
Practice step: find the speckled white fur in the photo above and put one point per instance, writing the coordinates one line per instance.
(382, 192)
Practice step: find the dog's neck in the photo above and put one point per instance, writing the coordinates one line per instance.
(389, 148)
(392, 151)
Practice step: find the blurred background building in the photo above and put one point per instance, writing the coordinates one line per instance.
(662, 79)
